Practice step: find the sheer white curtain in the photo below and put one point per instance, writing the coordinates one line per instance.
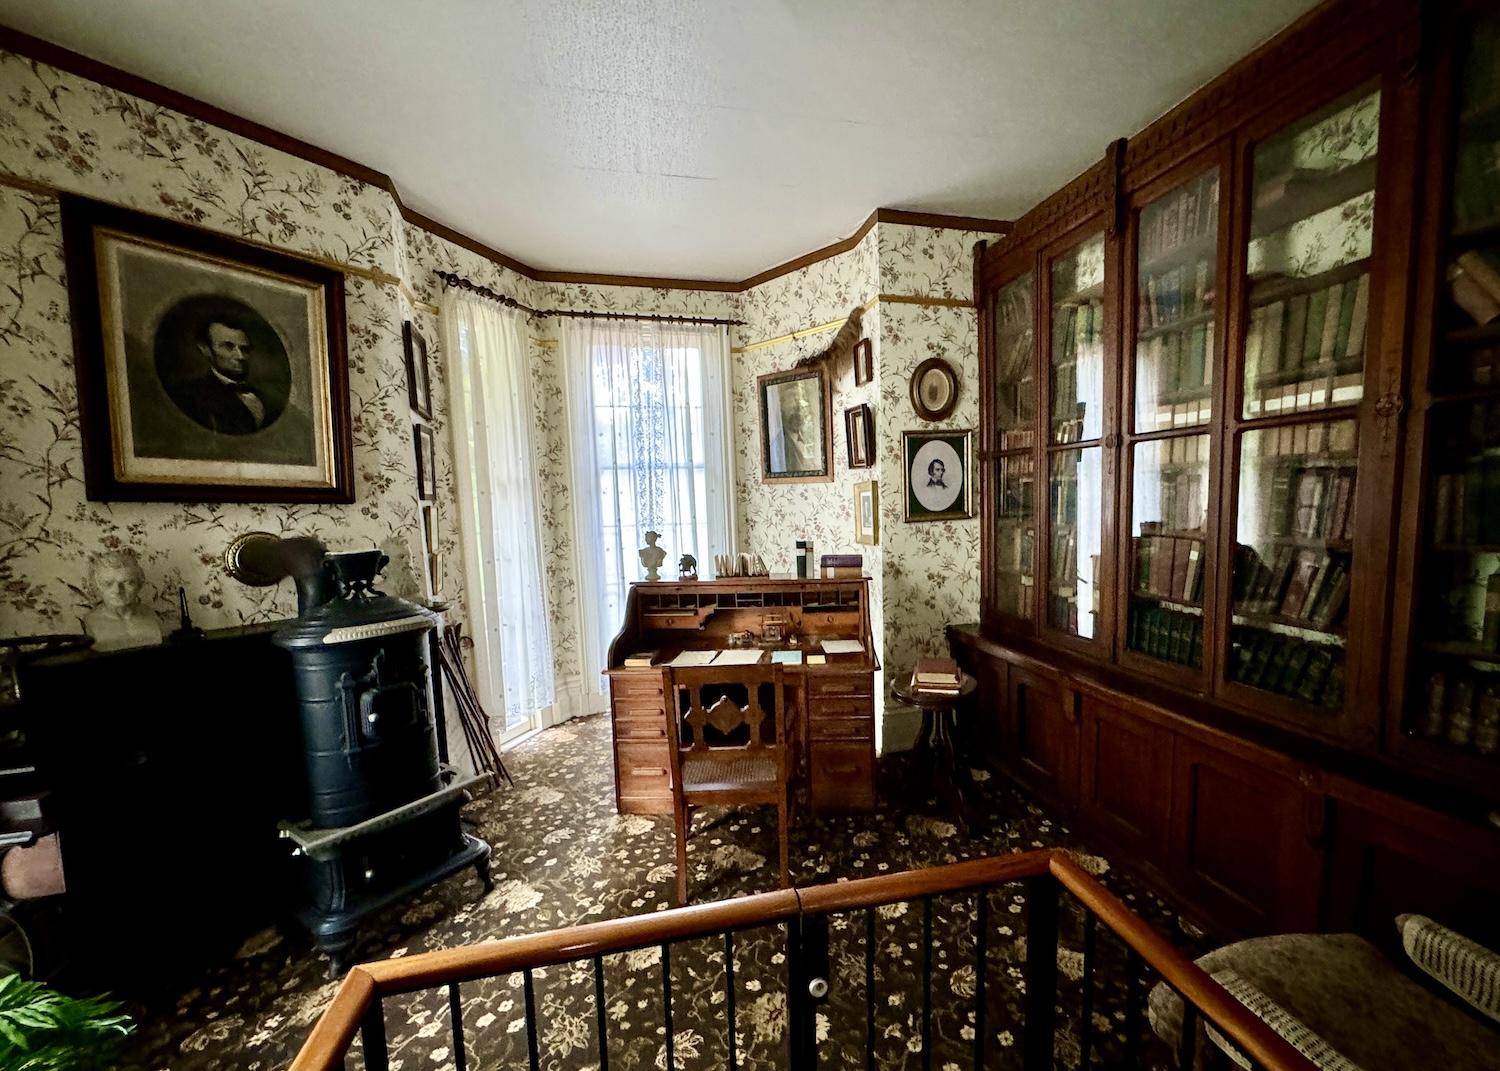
(649, 422)
(495, 464)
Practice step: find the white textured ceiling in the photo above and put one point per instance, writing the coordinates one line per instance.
(700, 138)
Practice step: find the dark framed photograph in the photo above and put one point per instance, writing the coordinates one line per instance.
(864, 362)
(209, 369)
(796, 431)
(938, 471)
(426, 462)
(934, 389)
(418, 376)
(859, 435)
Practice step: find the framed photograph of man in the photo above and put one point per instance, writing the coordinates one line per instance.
(938, 475)
(209, 369)
(426, 462)
(859, 436)
(867, 512)
(796, 431)
(418, 379)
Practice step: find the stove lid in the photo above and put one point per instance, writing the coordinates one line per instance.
(359, 611)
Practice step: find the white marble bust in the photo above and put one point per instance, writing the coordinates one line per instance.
(121, 620)
(652, 556)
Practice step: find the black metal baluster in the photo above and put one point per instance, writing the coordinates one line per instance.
(533, 1046)
(1133, 969)
(729, 998)
(372, 1037)
(456, 1016)
(926, 983)
(1041, 973)
(599, 1015)
(666, 1002)
(1188, 1044)
(981, 950)
(1086, 1008)
(870, 989)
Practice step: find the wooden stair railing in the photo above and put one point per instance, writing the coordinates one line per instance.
(356, 1006)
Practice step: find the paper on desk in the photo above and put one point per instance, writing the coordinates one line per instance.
(843, 647)
(787, 658)
(692, 658)
(737, 658)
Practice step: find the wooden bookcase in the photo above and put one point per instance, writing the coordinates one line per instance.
(1240, 425)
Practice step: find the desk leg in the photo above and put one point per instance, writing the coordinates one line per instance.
(941, 762)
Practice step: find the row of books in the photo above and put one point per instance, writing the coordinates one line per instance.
(1191, 212)
(1170, 567)
(1166, 634)
(841, 566)
(1476, 184)
(1180, 361)
(1463, 708)
(1466, 504)
(1181, 498)
(1288, 665)
(1015, 549)
(1325, 440)
(1079, 343)
(1062, 613)
(1474, 282)
(1175, 295)
(1017, 487)
(1015, 352)
(1299, 584)
(1310, 503)
(1307, 330)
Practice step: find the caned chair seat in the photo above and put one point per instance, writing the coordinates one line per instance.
(711, 771)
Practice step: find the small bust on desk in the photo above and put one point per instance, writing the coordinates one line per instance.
(652, 556)
(123, 620)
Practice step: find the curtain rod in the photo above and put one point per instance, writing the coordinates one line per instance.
(450, 279)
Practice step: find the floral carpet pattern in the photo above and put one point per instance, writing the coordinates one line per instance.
(562, 856)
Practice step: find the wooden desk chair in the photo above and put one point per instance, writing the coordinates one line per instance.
(723, 753)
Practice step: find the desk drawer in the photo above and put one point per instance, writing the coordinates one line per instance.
(841, 685)
(644, 769)
(861, 727)
(651, 726)
(646, 684)
(820, 620)
(843, 776)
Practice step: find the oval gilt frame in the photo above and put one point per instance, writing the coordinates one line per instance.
(941, 366)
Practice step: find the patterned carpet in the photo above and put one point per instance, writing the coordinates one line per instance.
(562, 856)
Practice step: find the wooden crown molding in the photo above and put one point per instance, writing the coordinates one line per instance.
(65, 59)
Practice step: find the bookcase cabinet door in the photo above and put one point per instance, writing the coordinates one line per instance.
(1125, 780)
(1245, 841)
(988, 730)
(1044, 748)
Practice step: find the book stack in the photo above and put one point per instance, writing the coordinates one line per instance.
(1301, 585)
(1288, 665)
(1310, 333)
(1169, 567)
(1474, 282)
(840, 566)
(936, 676)
(1166, 634)
(1192, 213)
(1079, 331)
(641, 659)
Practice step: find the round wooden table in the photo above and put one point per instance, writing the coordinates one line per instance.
(936, 738)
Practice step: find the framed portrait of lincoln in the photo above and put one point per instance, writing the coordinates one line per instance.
(209, 369)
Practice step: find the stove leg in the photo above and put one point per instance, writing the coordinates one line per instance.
(337, 948)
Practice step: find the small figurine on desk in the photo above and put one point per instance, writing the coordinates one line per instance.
(687, 568)
(652, 556)
(122, 621)
(186, 632)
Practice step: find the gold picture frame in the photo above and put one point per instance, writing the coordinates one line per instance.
(867, 512)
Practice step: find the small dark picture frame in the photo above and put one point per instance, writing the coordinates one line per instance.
(859, 436)
(418, 373)
(426, 462)
(864, 362)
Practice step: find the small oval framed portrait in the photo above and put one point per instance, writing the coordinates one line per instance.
(934, 389)
(937, 475)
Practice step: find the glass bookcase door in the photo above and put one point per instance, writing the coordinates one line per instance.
(1454, 691)
(1168, 526)
(1077, 352)
(1015, 400)
(1308, 261)
(1075, 489)
(1175, 289)
(1293, 561)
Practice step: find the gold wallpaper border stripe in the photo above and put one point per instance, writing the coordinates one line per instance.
(834, 325)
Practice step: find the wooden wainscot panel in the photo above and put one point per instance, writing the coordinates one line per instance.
(1044, 742)
(1247, 840)
(1125, 778)
(1385, 859)
(843, 776)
